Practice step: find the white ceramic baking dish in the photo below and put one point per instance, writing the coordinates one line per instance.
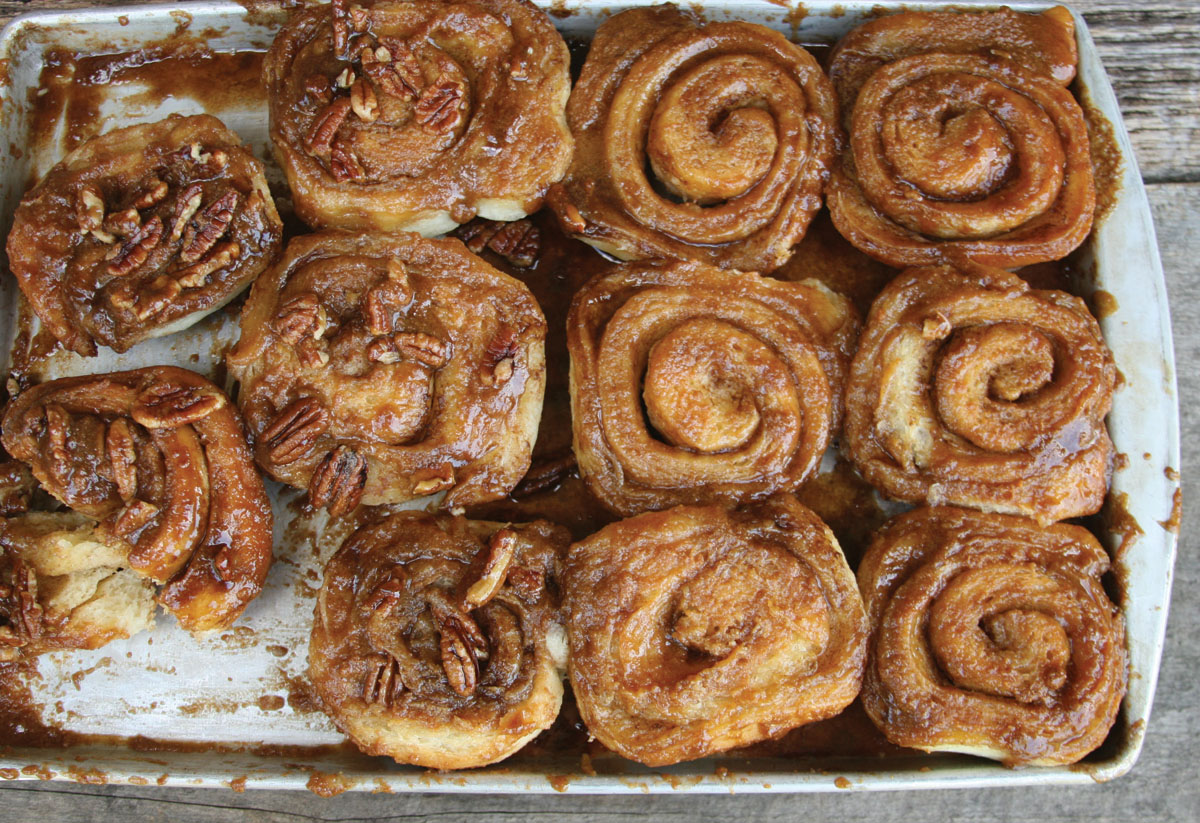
(224, 692)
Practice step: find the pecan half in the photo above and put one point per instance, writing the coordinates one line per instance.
(122, 458)
(317, 87)
(338, 482)
(439, 109)
(388, 590)
(128, 256)
(341, 27)
(293, 431)
(382, 350)
(16, 488)
(343, 165)
(424, 348)
(133, 518)
(169, 406)
(147, 299)
(545, 474)
(208, 227)
(185, 206)
(431, 481)
(154, 193)
(386, 299)
(89, 214)
(383, 683)
(458, 661)
(301, 316)
(195, 275)
(394, 68)
(518, 242)
(502, 547)
(325, 126)
(363, 101)
(310, 354)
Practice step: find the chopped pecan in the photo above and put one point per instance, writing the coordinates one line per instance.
(388, 590)
(20, 613)
(424, 348)
(196, 275)
(382, 350)
(338, 482)
(936, 327)
(439, 108)
(431, 481)
(527, 583)
(169, 405)
(128, 256)
(147, 299)
(301, 316)
(386, 299)
(343, 165)
(345, 78)
(545, 474)
(502, 547)
(89, 213)
(394, 68)
(209, 226)
(383, 683)
(153, 194)
(325, 126)
(518, 242)
(122, 458)
(363, 101)
(318, 88)
(568, 212)
(293, 431)
(124, 222)
(185, 206)
(311, 354)
(135, 516)
(16, 488)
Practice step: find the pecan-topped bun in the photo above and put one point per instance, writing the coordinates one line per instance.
(692, 384)
(418, 115)
(697, 630)
(157, 457)
(696, 141)
(143, 231)
(437, 640)
(378, 368)
(991, 636)
(965, 143)
(972, 389)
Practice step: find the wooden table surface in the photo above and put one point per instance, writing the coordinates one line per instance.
(1152, 53)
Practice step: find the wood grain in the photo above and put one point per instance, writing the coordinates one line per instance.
(1153, 56)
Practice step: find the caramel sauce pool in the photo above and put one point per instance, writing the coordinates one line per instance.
(72, 105)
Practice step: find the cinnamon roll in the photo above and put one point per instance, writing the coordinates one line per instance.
(379, 368)
(971, 388)
(437, 640)
(693, 384)
(964, 142)
(991, 636)
(143, 231)
(418, 115)
(156, 460)
(703, 141)
(697, 630)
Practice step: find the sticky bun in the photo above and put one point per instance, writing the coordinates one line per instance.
(699, 629)
(379, 368)
(418, 115)
(693, 384)
(992, 636)
(155, 467)
(437, 640)
(142, 231)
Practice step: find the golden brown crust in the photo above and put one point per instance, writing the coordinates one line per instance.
(159, 457)
(965, 148)
(972, 389)
(738, 126)
(142, 231)
(418, 115)
(697, 630)
(991, 636)
(740, 375)
(437, 639)
(379, 368)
